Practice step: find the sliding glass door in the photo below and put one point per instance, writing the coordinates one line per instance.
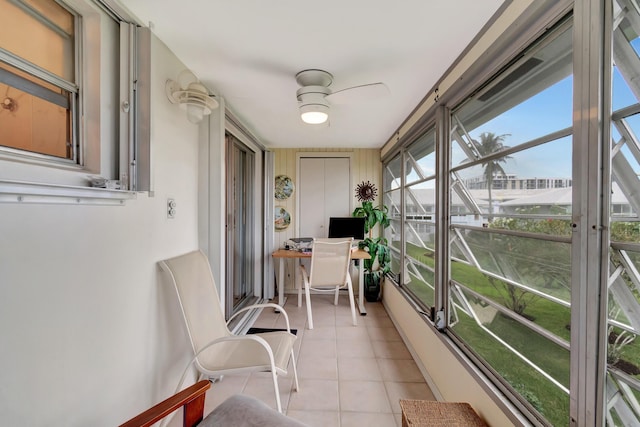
(240, 224)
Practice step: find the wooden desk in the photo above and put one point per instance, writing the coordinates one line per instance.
(283, 254)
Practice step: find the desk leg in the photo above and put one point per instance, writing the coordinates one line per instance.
(281, 298)
(363, 310)
(298, 284)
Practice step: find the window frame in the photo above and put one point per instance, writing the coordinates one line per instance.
(587, 378)
(106, 37)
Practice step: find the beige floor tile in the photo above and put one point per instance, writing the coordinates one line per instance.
(260, 386)
(390, 350)
(368, 419)
(317, 348)
(375, 309)
(315, 395)
(321, 332)
(323, 312)
(349, 376)
(322, 368)
(322, 302)
(350, 333)
(296, 346)
(292, 309)
(322, 321)
(345, 319)
(384, 334)
(398, 390)
(400, 370)
(358, 369)
(363, 396)
(377, 322)
(316, 418)
(295, 322)
(355, 349)
(398, 418)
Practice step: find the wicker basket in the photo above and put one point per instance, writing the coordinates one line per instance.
(428, 413)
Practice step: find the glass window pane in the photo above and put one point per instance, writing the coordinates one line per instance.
(391, 185)
(392, 234)
(419, 279)
(623, 348)
(392, 174)
(625, 200)
(392, 201)
(511, 155)
(420, 235)
(420, 219)
(532, 99)
(535, 181)
(35, 115)
(543, 266)
(40, 31)
(536, 367)
(419, 261)
(420, 201)
(421, 158)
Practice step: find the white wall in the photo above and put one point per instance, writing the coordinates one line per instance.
(89, 334)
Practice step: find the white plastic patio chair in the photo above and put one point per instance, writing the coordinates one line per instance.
(329, 272)
(216, 350)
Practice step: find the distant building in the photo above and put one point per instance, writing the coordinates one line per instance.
(512, 182)
(510, 195)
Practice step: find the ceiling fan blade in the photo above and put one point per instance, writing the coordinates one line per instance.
(359, 94)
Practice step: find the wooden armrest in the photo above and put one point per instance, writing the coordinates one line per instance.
(191, 398)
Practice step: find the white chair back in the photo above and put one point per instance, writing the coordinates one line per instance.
(198, 297)
(330, 260)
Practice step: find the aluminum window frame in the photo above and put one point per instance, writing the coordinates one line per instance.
(114, 145)
(591, 33)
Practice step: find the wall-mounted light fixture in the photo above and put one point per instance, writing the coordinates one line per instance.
(190, 94)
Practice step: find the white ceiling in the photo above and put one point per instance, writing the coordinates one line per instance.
(249, 51)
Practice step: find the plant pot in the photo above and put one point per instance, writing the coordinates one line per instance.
(372, 287)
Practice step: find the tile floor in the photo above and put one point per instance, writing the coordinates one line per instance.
(349, 375)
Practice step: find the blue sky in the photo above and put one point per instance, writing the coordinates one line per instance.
(546, 112)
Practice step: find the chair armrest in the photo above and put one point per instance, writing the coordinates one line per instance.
(264, 305)
(191, 398)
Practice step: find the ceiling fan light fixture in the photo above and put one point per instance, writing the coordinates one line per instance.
(314, 108)
(194, 97)
(314, 114)
(314, 96)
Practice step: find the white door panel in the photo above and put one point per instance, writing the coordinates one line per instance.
(336, 200)
(311, 196)
(324, 192)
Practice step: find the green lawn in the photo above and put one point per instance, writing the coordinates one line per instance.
(551, 401)
(548, 399)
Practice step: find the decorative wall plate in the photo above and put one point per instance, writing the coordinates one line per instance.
(281, 218)
(366, 191)
(284, 187)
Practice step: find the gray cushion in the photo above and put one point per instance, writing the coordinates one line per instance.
(245, 411)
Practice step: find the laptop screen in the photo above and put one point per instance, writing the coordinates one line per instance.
(346, 227)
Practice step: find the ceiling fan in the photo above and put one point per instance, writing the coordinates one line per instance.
(315, 95)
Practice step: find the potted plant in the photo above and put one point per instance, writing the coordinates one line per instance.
(376, 267)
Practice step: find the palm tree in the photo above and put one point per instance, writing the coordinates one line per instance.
(489, 144)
